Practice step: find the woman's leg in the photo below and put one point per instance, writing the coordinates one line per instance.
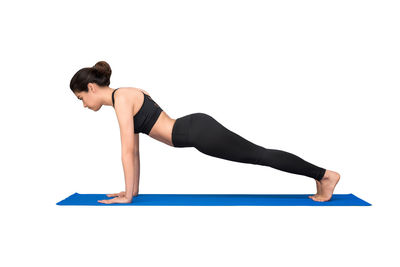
(207, 135)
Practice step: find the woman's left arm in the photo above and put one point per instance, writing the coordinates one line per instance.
(124, 111)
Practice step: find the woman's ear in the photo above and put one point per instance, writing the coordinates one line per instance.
(91, 87)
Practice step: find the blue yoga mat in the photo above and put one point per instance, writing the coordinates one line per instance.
(216, 200)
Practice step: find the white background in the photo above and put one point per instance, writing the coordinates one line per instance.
(314, 78)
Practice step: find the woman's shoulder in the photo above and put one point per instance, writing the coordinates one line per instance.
(132, 91)
(133, 95)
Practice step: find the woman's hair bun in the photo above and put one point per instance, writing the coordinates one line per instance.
(100, 74)
(104, 68)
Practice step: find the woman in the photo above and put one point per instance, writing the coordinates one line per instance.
(137, 112)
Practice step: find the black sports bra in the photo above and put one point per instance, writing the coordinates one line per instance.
(147, 116)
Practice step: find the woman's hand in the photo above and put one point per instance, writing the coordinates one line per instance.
(121, 194)
(115, 200)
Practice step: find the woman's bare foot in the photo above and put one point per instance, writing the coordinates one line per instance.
(328, 184)
(319, 186)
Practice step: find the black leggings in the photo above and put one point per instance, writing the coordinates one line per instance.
(207, 135)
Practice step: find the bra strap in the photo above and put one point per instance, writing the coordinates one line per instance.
(113, 95)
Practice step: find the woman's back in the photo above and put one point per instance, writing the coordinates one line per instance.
(162, 128)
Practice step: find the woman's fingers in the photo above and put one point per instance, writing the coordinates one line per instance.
(115, 200)
(108, 201)
(120, 194)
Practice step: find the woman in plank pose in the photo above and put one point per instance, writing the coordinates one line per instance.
(138, 113)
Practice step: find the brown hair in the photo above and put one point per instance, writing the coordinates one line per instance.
(100, 74)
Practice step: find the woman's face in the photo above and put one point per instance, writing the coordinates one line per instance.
(89, 99)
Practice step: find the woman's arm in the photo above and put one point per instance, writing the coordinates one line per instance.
(131, 181)
(129, 149)
(136, 166)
